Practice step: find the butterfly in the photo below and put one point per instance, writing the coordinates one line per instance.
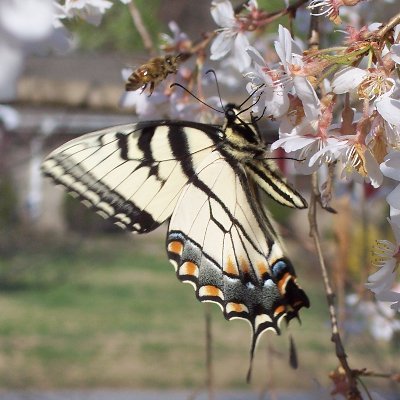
(207, 181)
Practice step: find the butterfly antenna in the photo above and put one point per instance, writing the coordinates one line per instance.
(256, 119)
(252, 105)
(284, 158)
(211, 71)
(251, 95)
(193, 95)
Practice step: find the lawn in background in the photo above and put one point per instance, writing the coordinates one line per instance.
(109, 312)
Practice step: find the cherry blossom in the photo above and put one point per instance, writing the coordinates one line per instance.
(179, 42)
(9, 117)
(291, 60)
(330, 8)
(231, 37)
(305, 135)
(389, 108)
(390, 168)
(373, 85)
(387, 253)
(26, 26)
(273, 93)
(395, 51)
(90, 10)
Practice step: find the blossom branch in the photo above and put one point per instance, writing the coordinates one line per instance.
(352, 393)
(388, 26)
(274, 15)
(141, 28)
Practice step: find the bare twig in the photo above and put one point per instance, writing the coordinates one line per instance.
(140, 26)
(210, 377)
(389, 26)
(352, 390)
(353, 393)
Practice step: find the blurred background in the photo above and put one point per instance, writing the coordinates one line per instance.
(87, 306)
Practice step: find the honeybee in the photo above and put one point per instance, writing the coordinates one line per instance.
(153, 72)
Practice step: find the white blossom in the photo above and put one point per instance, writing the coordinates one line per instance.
(230, 37)
(91, 11)
(26, 26)
(273, 95)
(382, 282)
(290, 55)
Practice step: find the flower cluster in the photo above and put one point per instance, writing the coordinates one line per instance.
(336, 105)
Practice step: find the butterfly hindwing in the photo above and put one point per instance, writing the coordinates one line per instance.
(132, 174)
(219, 241)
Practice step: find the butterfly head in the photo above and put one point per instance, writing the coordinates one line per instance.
(239, 131)
(231, 112)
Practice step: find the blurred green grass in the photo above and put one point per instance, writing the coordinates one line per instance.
(109, 312)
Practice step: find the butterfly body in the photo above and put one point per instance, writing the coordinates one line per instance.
(207, 180)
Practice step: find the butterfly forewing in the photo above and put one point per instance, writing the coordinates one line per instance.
(132, 174)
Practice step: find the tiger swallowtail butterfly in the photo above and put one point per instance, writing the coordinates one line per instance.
(207, 181)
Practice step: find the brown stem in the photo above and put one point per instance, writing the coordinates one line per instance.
(353, 392)
(389, 26)
(272, 16)
(210, 380)
(140, 26)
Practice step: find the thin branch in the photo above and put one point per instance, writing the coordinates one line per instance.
(209, 360)
(353, 392)
(389, 26)
(272, 16)
(140, 26)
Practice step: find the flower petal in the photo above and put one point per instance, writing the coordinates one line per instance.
(393, 198)
(389, 108)
(308, 97)
(221, 45)
(347, 79)
(242, 58)
(255, 56)
(372, 167)
(223, 13)
(395, 50)
(283, 46)
(27, 20)
(9, 117)
(391, 165)
(292, 143)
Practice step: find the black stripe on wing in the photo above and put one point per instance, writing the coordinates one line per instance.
(274, 184)
(94, 167)
(98, 196)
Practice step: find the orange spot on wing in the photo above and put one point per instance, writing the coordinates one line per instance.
(279, 310)
(237, 307)
(211, 291)
(230, 267)
(262, 268)
(283, 281)
(175, 247)
(244, 265)
(189, 268)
